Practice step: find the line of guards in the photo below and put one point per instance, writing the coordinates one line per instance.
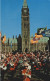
(10, 62)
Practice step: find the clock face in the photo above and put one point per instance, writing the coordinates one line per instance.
(25, 10)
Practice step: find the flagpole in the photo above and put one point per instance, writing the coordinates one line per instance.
(5, 48)
(11, 46)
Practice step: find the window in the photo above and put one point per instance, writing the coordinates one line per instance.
(24, 24)
(25, 18)
(25, 41)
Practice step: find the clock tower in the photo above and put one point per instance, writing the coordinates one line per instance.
(25, 27)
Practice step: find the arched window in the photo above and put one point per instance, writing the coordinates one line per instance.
(25, 41)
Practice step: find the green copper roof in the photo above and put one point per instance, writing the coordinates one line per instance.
(6, 41)
(25, 4)
(11, 40)
(43, 39)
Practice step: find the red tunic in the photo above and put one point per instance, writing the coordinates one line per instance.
(26, 79)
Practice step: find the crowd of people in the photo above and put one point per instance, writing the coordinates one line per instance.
(28, 62)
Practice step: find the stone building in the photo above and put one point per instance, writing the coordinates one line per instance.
(41, 45)
(19, 40)
(23, 42)
(13, 44)
(9, 45)
(25, 27)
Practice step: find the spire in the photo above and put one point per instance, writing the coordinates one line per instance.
(25, 4)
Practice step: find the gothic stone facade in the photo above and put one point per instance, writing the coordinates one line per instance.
(25, 27)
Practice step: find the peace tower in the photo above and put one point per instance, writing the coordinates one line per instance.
(25, 27)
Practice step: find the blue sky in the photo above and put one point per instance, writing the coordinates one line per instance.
(11, 16)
